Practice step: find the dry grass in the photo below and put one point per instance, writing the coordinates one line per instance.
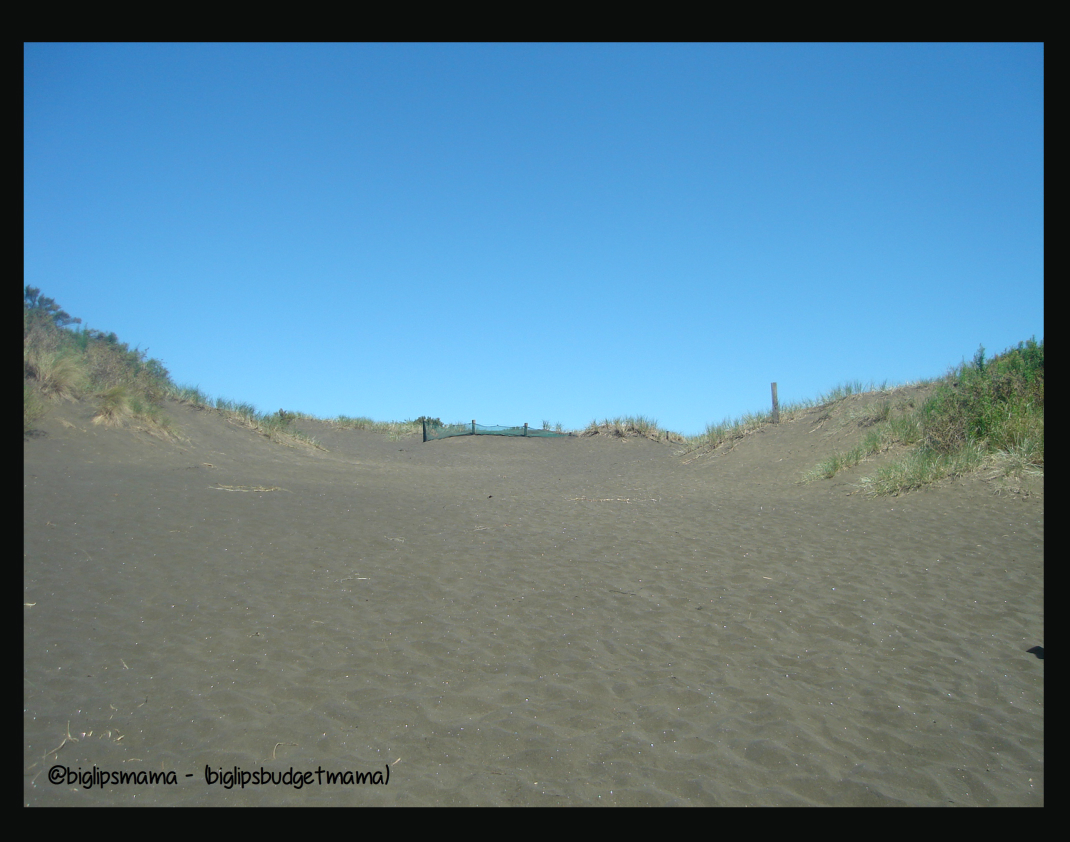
(114, 407)
(33, 407)
(628, 426)
(60, 375)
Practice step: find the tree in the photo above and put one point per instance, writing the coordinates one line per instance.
(41, 308)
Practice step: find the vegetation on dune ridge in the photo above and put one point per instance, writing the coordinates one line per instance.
(730, 431)
(279, 427)
(985, 414)
(396, 430)
(64, 362)
(624, 426)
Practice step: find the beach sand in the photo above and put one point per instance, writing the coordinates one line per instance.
(510, 621)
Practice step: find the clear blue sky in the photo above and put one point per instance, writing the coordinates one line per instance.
(518, 233)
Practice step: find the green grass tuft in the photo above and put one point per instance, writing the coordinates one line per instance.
(986, 412)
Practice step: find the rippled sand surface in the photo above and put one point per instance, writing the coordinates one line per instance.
(492, 621)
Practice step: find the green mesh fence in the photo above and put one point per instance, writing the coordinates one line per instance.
(445, 431)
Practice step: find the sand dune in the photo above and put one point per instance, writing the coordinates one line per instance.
(500, 621)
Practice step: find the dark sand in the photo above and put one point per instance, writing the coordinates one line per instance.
(523, 621)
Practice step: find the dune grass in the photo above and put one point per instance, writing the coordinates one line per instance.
(115, 405)
(888, 423)
(396, 430)
(59, 374)
(624, 426)
(985, 414)
(279, 427)
(33, 407)
(64, 362)
(730, 431)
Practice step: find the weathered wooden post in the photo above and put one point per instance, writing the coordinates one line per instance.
(776, 407)
(425, 429)
(525, 428)
(473, 426)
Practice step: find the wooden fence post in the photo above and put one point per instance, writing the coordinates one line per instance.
(776, 407)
